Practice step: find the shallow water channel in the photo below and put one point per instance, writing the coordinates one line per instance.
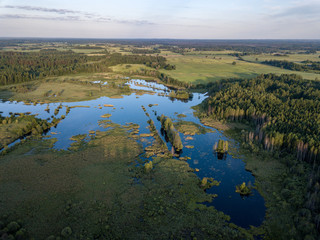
(244, 211)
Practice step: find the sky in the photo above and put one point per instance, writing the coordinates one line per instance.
(177, 19)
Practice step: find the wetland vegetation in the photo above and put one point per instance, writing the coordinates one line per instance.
(220, 142)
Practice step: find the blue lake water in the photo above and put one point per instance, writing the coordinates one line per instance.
(230, 171)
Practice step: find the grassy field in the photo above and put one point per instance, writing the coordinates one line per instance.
(127, 68)
(66, 88)
(202, 69)
(290, 57)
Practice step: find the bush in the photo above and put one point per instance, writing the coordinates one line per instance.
(148, 166)
(66, 232)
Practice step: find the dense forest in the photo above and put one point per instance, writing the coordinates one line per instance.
(305, 66)
(284, 112)
(18, 67)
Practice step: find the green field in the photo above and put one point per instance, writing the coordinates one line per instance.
(290, 57)
(127, 68)
(205, 68)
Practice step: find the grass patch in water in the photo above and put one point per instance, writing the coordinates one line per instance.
(107, 115)
(190, 128)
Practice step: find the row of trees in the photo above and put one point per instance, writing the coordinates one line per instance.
(304, 66)
(171, 133)
(144, 51)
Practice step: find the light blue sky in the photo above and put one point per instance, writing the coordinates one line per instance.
(196, 19)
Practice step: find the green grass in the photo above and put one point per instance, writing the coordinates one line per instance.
(202, 69)
(127, 68)
(190, 128)
(65, 88)
(290, 57)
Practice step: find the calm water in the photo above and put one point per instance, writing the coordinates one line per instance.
(230, 171)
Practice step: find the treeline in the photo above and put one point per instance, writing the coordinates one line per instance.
(170, 132)
(306, 66)
(285, 114)
(145, 51)
(171, 81)
(88, 47)
(18, 67)
(157, 62)
(284, 109)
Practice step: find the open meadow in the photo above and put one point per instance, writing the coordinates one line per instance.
(213, 66)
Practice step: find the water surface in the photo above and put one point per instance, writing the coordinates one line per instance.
(244, 211)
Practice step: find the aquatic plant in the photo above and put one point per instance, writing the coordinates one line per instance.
(221, 147)
(243, 189)
(148, 166)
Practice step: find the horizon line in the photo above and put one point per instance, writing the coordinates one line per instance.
(201, 39)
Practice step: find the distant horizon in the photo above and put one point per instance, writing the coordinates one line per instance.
(159, 38)
(167, 19)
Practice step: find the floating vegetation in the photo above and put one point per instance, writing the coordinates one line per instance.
(108, 105)
(243, 189)
(189, 146)
(189, 138)
(190, 128)
(151, 105)
(181, 115)
(107, 115)
(146, 134)
(221, 148)
(207, 183)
